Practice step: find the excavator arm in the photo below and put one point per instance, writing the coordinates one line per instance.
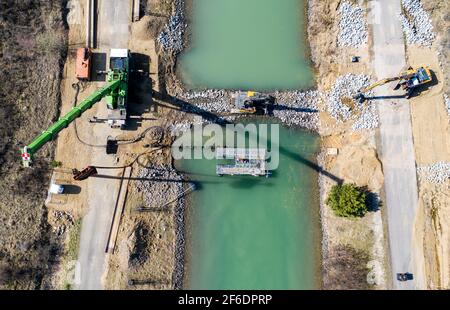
(49, 134)
(411, 77)
(379, 83)
(360, 95)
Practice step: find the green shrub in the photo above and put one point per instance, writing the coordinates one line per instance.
(55, 164)
(347, 200)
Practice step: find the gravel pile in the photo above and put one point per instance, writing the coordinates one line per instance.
(368, 117)
(159, 184)
(352, 25)
(177, 129)
(204, 94)
(447, 103)
(416, 23)
(299, 108)
(346, 86)
(435, 173)
(365, 114)
(171, 38)
(215, 101)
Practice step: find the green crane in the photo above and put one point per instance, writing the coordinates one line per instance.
(115, 91)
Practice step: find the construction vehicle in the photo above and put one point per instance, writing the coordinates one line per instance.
(115, 92)
(83, 64)
(84, 174)
(251, 102)
(404, 276)
(56, 189)
(116, 100)
(408, 81)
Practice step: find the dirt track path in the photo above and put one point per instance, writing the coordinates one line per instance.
(113, 29)
(114, 18)
(397, 148)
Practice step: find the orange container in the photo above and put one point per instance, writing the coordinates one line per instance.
(83, 64)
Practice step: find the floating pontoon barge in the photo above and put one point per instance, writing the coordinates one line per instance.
(250, 161)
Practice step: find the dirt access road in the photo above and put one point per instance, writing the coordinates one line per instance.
(397, 148)
(114, 22)
(113, 31)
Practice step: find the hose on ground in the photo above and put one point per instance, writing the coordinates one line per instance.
(138, 137)
(81, 85)
(135, 160)
(77, 87)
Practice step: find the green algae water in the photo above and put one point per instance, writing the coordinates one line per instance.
(247, 44)
(255, 232)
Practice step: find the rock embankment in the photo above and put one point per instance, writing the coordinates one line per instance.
(436, 173)
(353, 30)
(416, 23)
(153, 182)
(171, 38)
(294, 108)
(298, 108)
(447, 104)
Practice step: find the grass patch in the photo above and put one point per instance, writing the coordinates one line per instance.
(51, 42)
(71, 255)
(347, 269)
(74, 240)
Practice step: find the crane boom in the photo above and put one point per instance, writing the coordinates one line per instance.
(115, 91)
(63, 122)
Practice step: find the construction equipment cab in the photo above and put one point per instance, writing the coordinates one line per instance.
(117, 100)
(251, 102)
(414, 78)
(408, 81)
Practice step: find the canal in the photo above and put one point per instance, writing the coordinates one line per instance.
(252, 232)
(255, 232)
(247, 44)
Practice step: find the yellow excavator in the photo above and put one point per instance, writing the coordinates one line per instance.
(251, 102)
(408, 81)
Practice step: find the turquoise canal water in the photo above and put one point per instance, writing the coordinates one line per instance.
(255, 232)
(247, 44)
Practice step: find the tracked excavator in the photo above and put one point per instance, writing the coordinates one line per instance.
(251, 102)
(408, 81)
(115, 93)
